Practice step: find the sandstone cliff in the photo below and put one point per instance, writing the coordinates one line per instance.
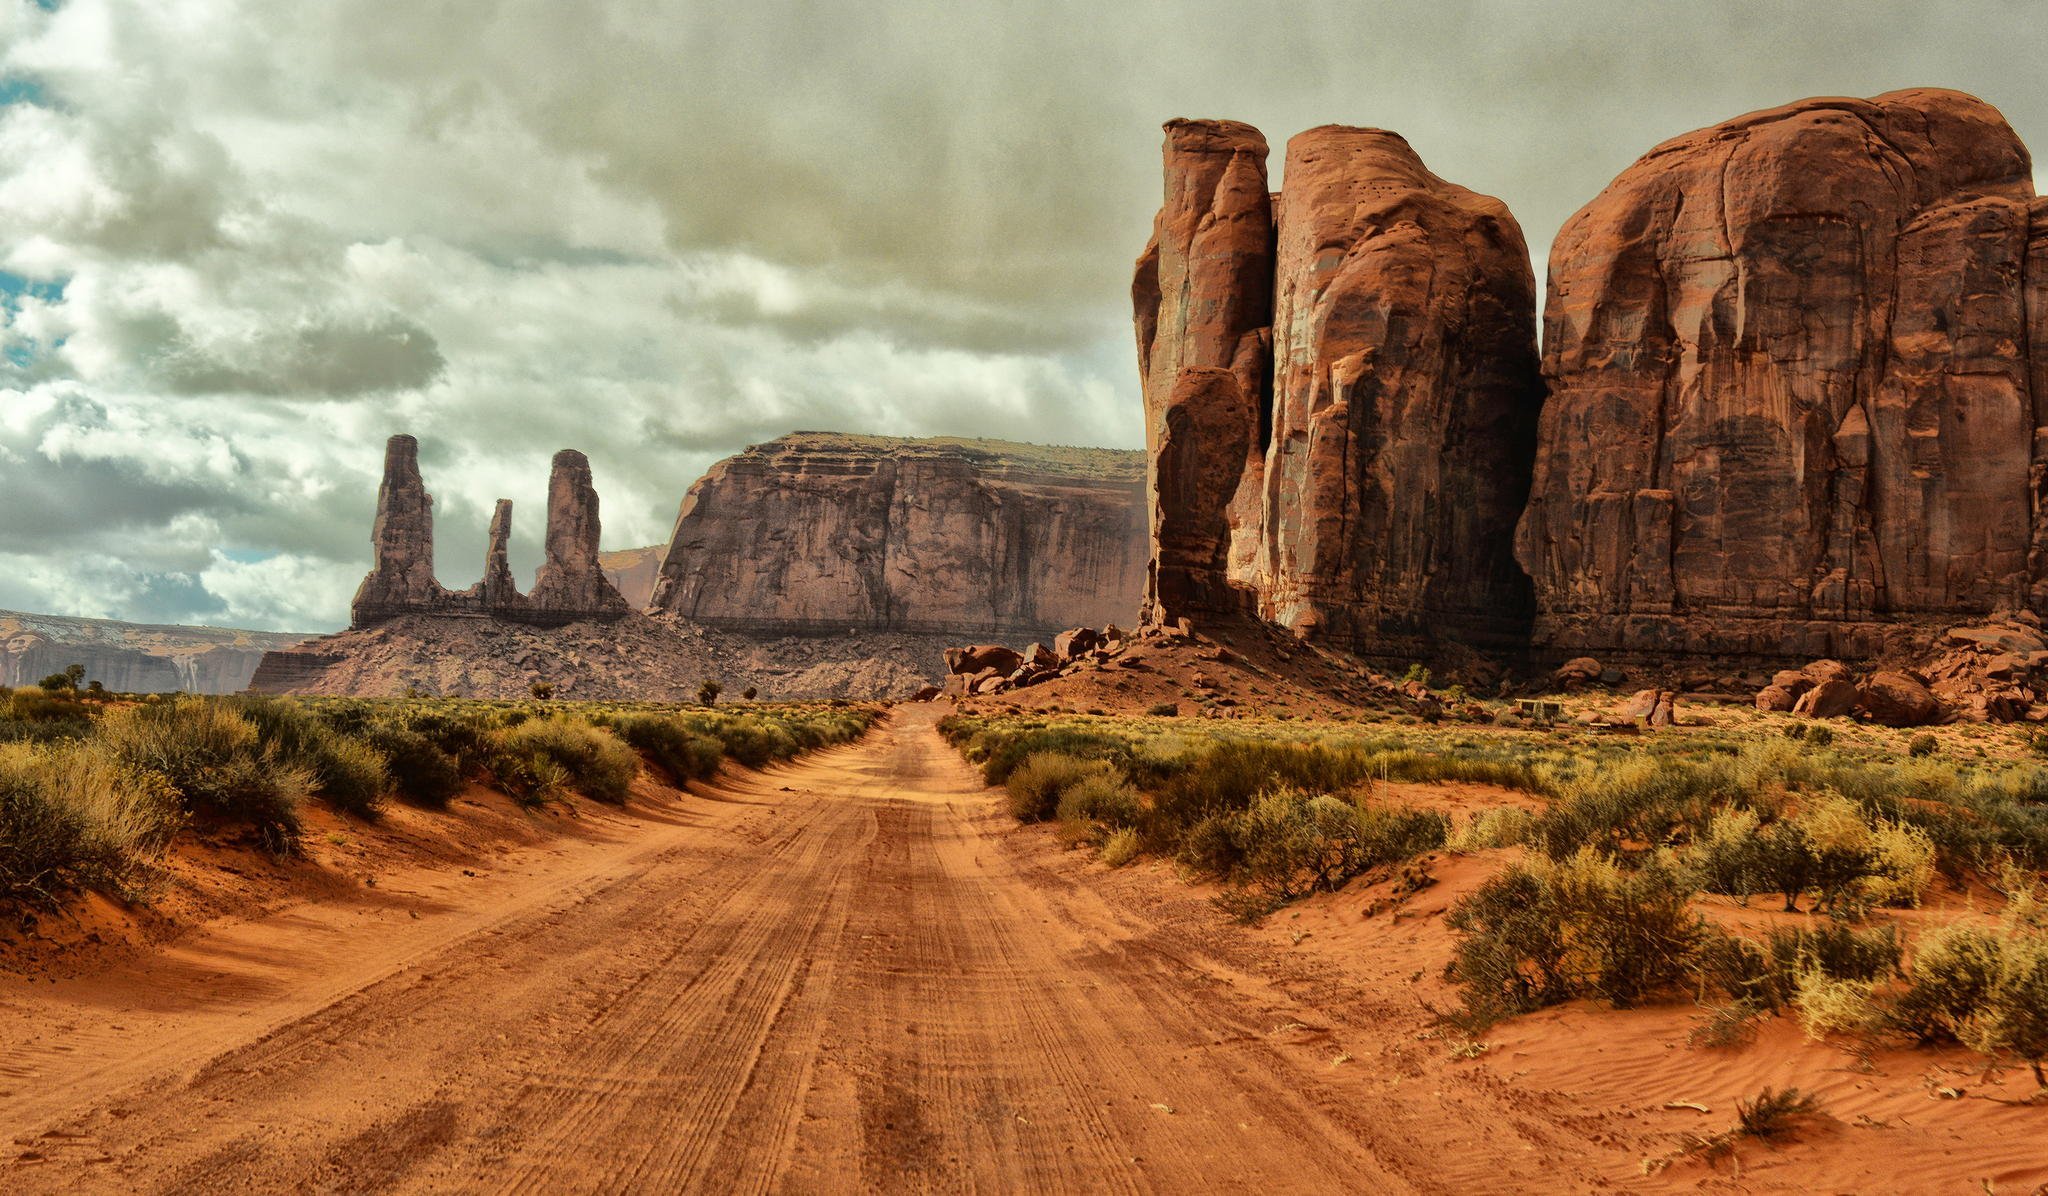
(1792, 404)
(1341, 394)
(1405, 401)
(826, 533)
(633, 571)
(133, 657)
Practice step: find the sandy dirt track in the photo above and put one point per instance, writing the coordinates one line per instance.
(849, 974)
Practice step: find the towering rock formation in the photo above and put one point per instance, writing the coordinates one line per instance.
(1792, 402)
(401, 574)
(1405, 401)
(1339, 419)
(497, 589)
(571, 584)
(974, 539)
(1202, 302)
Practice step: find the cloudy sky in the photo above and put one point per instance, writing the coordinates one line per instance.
(242, 241)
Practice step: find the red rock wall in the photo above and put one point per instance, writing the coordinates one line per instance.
(1202, 303)
(1405, 401)
(1790, 393)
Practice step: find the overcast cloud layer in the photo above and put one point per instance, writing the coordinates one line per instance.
(242, 241)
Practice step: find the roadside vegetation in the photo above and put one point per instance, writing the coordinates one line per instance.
(93, 786)
(1601, 894)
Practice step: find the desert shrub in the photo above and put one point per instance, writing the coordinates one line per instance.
(1829, 1006)
(1227, 776)
(1820, 736)
(1828, 848)
(1773, 1114)
(1765, 973)
(419, 770)
(2015, 1017)
(1407, 764)
(1001, 750)
(1923, 745)
(753, 740)
(1902, 865)
(1289, 843)
(592, 760)
(1551, 930)
(684, 754)
(1164, 710)
(35, 715)
(1503, 826)
(1100, 798)
(1637, 803)
(214, 759)
(348, 772)
(1120, 848)
(46, 845)
(1949, 980)
(1036, 785)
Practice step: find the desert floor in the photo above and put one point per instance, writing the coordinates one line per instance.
(855, 973)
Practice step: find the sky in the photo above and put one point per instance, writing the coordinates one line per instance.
(243, 241)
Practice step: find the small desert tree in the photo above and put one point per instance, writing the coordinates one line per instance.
(708, 692)
(542, 690)
(749, 692)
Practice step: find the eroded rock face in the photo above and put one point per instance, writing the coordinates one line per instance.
(1202, 302)
(571, 586)
(1791, 400)
(976, 540)
(401, 574)
(1405, 400)
(571, 583)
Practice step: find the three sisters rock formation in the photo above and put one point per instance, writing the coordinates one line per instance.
(1792, 398)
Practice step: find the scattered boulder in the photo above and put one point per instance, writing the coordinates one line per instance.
(1833, 698)
(977, 658)
(1898, 699)
(927, 694)
(1580, 670)
(1076, 643)
(1779, 699)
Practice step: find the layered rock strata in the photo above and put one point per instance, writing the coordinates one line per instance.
(570, 587)
(818, 533)
(1340, 391)
(1797, 393)
(133, 657)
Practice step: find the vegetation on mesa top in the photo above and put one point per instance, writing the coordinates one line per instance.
(1102, 464)
(1601, 900)
(93, 787)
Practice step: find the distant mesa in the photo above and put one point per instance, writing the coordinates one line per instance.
(571, 586)
(827, 533)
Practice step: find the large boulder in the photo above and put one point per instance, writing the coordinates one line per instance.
(1896, 699)
(1405, 401)
(1075, 643)
(1202, 302)
(1791, 395)
(1777, 698)
(977, 658)
(1829, 699)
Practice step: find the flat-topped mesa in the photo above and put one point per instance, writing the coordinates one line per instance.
(401, 576)
(571, 584)
(977, 540)
(1798, 369)
(401, 582)
(1405, 403)
(1202, 303)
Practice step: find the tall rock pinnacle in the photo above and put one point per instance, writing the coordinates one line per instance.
(402, 575)
(571, 584)
(1202, 302)
(497, 587)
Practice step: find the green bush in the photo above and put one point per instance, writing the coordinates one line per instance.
(420, 771)
(592, 760)
(214, 759)
(348, 772)
(753, 740)
(1289, 843)
(1549, 931)
(684, 754)
(1120, 848)
(1100, 798)
(1225, 777)
(1987, 989)
(1953, 972)
(1503, 826)
(1036, 785)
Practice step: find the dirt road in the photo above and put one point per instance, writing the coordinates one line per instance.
(849, 974)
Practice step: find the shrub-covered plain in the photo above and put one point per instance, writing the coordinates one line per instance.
(94, 786)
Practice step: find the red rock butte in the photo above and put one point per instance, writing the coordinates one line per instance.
(1792, 398)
